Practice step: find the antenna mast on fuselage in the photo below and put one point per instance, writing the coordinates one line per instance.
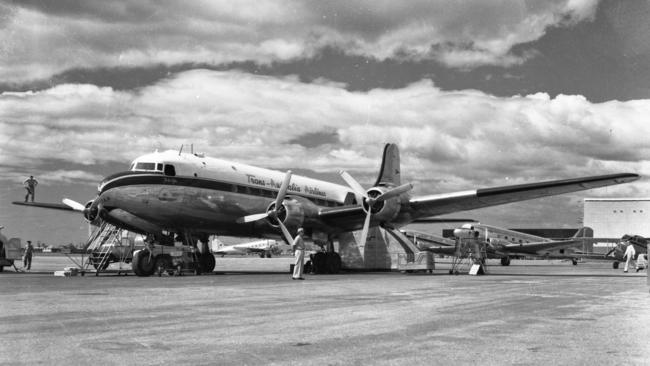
(181, 149)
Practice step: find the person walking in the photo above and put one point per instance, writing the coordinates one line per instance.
(629, 255)
(30, 185)
(298, 247)
(27, 258)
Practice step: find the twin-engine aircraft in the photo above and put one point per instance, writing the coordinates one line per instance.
(499, 243)
(264, 248)
(193, 196)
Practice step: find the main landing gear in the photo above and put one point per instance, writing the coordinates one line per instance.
(323, 263)
(505, 261)
(326, 261)
(164, 259)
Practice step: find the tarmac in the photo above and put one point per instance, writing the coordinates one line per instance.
(250, 312)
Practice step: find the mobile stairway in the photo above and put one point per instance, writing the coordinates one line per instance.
(104, 247)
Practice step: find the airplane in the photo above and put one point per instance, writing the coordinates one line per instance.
(616, 254)
(495, 242)
(192, 196)
(265, 248)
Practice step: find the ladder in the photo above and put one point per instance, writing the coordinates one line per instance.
(100, 246)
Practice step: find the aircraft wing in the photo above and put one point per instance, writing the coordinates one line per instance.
(249, 249)
(424, 208)
(438, 249)
(534, 248)
(55, 206)
(467, 200)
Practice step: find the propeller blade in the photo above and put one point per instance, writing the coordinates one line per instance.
(283, 190)
(366, 228)
(610, 252)
(74, 204)
(356, 187)
(251, 218)
(394, 192)
(286, 233)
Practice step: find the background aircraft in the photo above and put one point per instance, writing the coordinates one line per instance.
(495, 242)
(616, 253)
(265, 248)
(168, 194)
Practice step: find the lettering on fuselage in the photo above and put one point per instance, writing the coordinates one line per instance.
(292, 187)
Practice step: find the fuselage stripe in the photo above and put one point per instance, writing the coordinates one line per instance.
(120, 180)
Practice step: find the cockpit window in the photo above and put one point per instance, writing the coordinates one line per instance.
(145, 166)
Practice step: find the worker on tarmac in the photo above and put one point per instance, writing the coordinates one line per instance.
(629, 255)
(298, 247)
(27, 258)
(30, 185)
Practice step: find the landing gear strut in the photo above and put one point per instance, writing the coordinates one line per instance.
(505, 261)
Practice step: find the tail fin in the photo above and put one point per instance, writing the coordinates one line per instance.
(389, 173)
(584, 232)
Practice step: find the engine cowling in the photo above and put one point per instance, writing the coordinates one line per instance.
(385, 210)
(466, 232)
(91, 212)
(293, 212)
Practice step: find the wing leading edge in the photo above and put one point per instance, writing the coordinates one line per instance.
(467, 200)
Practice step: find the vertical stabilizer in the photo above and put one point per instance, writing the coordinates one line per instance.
(584, 232)
(389, 173)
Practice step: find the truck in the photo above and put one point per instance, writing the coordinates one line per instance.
(10, 251)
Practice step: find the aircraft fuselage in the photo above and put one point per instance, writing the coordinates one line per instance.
(173, 190)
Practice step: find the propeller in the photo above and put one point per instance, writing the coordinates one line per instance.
(273, 214)
(610, 252)
(74, 205)
(370, 200)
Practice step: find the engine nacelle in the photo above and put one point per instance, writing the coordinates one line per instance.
(91, 212)
(466, 233)
(383, 210)
(293, 212)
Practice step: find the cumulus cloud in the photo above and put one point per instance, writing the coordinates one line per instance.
(448, 140)
(40, 39)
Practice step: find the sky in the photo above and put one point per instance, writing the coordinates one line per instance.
(475, 93)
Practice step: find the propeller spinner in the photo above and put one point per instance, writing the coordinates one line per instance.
(371, 199)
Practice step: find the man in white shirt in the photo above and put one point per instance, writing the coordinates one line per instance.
(629, 255)
(298, 247)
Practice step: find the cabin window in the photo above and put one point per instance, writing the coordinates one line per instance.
(159, 167)
(170, 170)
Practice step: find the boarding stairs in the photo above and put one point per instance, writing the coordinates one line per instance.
(470, 256)
(99, 249)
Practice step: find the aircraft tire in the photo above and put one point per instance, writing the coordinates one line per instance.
(207, 263)
(2, 268)
(333, 262)
(142, 264)
(505, 261)
(574, 262)
(320, 263)
(615, 265)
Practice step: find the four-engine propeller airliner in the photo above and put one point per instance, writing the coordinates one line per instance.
(194, 196)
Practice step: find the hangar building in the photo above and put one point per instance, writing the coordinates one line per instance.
(615, 217)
